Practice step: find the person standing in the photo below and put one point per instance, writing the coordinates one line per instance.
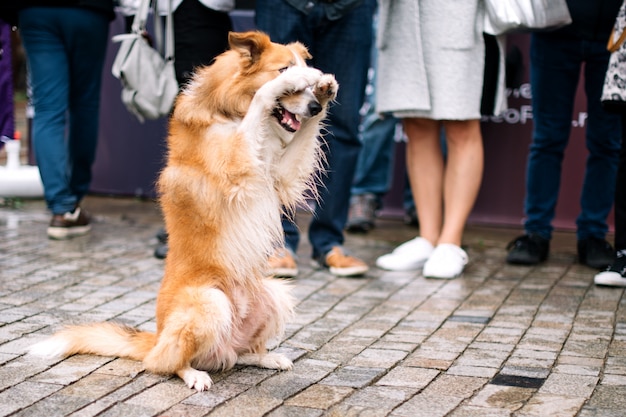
(337, 34)
(65, 43)
(200, 34)
(432, 61)
(556, 61)
(615, 274)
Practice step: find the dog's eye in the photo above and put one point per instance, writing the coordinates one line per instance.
(283, 69)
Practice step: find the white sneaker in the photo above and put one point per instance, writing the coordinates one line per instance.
(609, 278)
(408, 256)
(446, 262)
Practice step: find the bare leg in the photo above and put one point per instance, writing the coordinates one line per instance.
(444, 194)
(425, 168)
(463, 176)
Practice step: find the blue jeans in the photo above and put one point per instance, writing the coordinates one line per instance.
(65, 47)
(554, 73)
(340, 47)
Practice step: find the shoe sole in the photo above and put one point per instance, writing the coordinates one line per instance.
(362, 227)
(348, 272)
(412, 267)
(284, 272)
(610, 279)
(62, 233)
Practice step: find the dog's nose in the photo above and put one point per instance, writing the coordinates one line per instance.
(314, 108)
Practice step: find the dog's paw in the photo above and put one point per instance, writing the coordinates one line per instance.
(300, 78)
(198, 380)
(275, 361)
(326, 88)
(266, 360)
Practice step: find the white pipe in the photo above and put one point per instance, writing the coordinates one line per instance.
(18, 180)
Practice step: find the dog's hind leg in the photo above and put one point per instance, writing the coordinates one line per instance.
(195, 331)
(271, 360)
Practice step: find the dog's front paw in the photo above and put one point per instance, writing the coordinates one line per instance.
(326, 88)
(300, 78)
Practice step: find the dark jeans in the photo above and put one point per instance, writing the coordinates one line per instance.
(65, 47)
(620, 194)
(554, 73)
(340, 47)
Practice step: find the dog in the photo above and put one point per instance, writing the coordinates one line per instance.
(243, 148)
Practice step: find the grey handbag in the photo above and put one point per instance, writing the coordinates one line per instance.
(507, 16)
(148, 79)
(614, 90)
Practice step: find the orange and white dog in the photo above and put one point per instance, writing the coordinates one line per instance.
(243, 143)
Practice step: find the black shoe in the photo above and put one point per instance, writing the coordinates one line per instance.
(161, 251)
(596, 253)
(528, 250)
(162, 235)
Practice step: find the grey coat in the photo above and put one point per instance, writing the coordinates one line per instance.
(431, 59)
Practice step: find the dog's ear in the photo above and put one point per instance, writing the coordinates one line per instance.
(249, 45)
(301, 50)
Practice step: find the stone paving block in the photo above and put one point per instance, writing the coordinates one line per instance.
(501, 397)
(21, 395)
(220, 392)
(252, 403)
(473, 411)
(482, 358)
(76, 396)
(162, 396)
(379, 398)
(428, 357)
(290, 411)
(183, 410)
(125, 410)
(542, 405)
(454, 386)
(522, 357)
(352, 376)
(404, 376)
(71, 369)
(608, 379)
(475, 371)
(529, 372)
(571, 386)
(17, 371)
(426, 405)
(319, 396)
(378, 357)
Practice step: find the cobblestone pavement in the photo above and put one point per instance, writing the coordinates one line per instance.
(498, 341)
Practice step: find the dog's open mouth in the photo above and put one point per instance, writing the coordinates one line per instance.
(289, 121)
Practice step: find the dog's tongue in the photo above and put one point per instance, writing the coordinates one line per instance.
(290, 120)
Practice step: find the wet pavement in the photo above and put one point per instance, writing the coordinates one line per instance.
(500, 340)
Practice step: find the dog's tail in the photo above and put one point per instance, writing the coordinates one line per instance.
(104, 339)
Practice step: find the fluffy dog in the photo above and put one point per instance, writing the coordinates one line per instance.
(243, 142)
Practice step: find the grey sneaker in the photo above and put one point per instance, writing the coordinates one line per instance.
(362, 213)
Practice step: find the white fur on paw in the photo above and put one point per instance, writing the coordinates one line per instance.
(275, 361)
(198, 380)
(301, 77)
